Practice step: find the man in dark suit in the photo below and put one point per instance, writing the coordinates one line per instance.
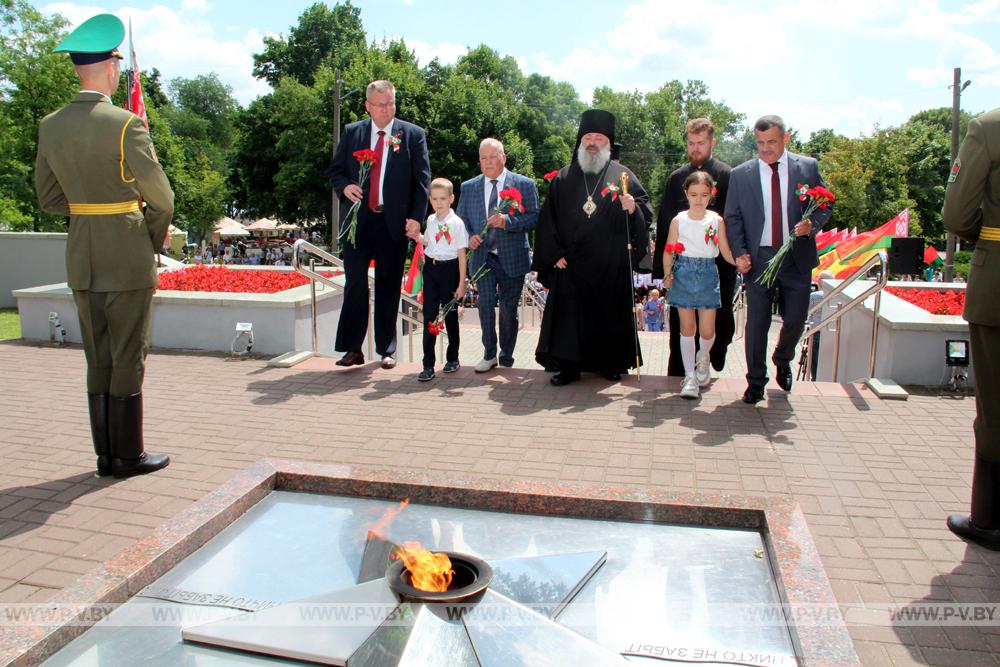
(393, 202)
(504, 249)
(972, 211)
(762, 212)
(700, 142)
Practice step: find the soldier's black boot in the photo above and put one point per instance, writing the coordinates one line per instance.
(98, 405)
(983, 526)
(125, 420)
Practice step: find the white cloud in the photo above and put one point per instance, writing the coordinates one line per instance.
(446, 52)
(180, 43)
(199, 6)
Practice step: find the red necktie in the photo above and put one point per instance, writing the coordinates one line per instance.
(777, 236)
(375, 177)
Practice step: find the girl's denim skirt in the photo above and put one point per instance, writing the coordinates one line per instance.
(696, 283)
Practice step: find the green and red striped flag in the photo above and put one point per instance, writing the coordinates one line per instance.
(414, 284)
(876, 239)
(931, 257)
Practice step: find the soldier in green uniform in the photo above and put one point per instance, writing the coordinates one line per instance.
(972, 212)
(94, 163)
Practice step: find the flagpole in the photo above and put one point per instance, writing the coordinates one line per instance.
(131, 61)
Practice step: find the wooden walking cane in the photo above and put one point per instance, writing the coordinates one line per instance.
(631, 283)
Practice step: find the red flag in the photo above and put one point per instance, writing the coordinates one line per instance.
(136, 104)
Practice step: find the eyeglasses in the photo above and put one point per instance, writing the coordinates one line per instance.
(386, 105)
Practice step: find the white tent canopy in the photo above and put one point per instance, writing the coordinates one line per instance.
(234, 229)
(263, 225)
(225, 221)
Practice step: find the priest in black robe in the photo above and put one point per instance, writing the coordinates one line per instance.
(582, 256)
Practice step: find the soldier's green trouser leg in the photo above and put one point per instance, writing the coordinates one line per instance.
(115, 331)
(982, 525)
(986, 478)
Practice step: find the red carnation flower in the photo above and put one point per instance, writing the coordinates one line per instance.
(551, 175)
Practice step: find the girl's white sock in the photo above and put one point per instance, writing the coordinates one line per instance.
(706, 345)
(687, 353)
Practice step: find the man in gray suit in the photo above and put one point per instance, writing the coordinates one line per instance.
(504, 249)
(762, 212)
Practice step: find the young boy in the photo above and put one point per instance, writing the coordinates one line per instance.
(445, 240)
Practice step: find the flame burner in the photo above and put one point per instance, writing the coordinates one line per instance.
(472, 577)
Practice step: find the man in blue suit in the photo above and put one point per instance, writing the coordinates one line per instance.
(394, 201)
(762, 212)
(504, 248)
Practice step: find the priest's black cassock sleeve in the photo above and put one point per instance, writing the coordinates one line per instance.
(589, 321)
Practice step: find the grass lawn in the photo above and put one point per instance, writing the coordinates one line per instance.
(10, 324)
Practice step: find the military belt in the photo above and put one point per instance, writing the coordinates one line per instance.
(989, 234)
(104, 209)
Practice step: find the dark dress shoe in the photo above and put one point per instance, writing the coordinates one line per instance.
(753, 394)
(611, 376)
(785, 377)
(145, 464)
(962, 526)
(563, 378)
(388, 363)
(351, 359)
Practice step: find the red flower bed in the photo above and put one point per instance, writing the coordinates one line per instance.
(938, 302)
(200, 278)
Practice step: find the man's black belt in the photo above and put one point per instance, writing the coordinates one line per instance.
(440, 261)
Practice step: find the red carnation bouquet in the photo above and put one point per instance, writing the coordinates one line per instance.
(818, 197)
(511, 200)
(366, 158)
(674, 248)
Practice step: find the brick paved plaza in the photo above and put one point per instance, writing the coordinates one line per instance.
(874, 478)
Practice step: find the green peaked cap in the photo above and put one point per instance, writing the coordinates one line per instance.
(98, 34)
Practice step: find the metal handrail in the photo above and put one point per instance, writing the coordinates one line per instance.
(882, 259)
(537, 298)
(303, 248)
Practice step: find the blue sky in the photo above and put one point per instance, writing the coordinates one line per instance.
(845, 64)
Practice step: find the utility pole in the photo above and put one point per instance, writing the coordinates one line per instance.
(334, 228)
(956, 104)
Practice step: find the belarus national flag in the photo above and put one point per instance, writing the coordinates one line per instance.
(414, 284)
(136, 104)
(931, 257)
(880, 237)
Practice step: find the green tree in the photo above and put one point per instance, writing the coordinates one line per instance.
(868, 175)
(323, 36)
(33, 82)
(206, 98)
(819, 143)
(204, 197)
(926, 139)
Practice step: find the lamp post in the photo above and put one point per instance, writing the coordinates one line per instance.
(956, 103)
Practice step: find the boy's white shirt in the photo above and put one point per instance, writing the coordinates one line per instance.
(441, 249)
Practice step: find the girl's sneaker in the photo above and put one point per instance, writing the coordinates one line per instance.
(689, 387)
(703, 369)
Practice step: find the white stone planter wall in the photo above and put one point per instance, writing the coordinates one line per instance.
(204, 320)
(28, 258)
(911, 341)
